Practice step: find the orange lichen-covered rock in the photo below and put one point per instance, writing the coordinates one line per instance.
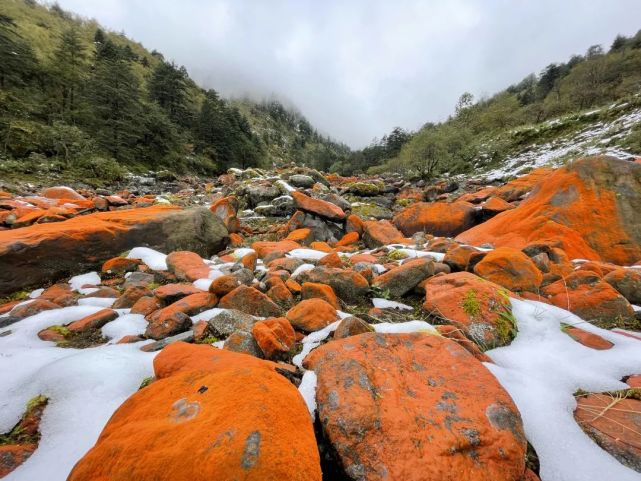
(187, 266)
(402, 279)
(44, 252)
(495, 205)
(275, 337)
(455, 334)
(627, 282)
(313, 290)
(250, 300)
(588, 339)
(588, 208)
(517, 188)
(168, 324)
(614, 424)
(379, 233)
(254, 421)
(384, 399)
(303, 236)
(172, 292)
(93, 321)
(321, 246)
(263, 248)
(131, 296)
(235, 240)
(249, 261)
(354, 224)
(318, 207)
(458, 257)
(585, 294)
(223, 285)
(510, 268)
(181, 357)
(330, 260)
(62, 192)
(311, 315)
(145, 305)
(437, 218)
(120, 265)
(348, 239)
(351, 326)
(369, 258)
(479, 308)
(280, 294)
(31, 308)
(226, 210)
(348, 285)
(13, 455)
(190, 305)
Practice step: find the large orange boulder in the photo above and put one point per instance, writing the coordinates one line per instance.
(187, 266)
(588, 208)
(311, 315)
(378, 233)
(415, 407)
(239, 422)
(436, 218)
(588, 296)
(180, 357)
(479, 308)
(43, 253)
(511, 269)
(318, 207)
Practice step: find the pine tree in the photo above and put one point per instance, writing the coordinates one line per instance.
(70, 68)
(17, 62)
(167, 87)
(115, 103)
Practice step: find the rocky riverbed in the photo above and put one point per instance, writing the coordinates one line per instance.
(295, 325)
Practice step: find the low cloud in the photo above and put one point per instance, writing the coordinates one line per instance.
(356, 69)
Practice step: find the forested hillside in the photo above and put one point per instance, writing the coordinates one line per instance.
(79, 101)
(592, 90)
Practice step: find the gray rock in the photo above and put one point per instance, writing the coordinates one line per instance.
(244, 342)
(186, 336)
(300, 180)
(261, 192)
(225, 323)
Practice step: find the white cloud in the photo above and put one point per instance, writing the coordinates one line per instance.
(357, 69)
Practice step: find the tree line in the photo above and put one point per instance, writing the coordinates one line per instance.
(595, 79)
(98, 106)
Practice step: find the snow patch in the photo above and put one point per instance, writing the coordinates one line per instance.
(154, 259)
(542, 368)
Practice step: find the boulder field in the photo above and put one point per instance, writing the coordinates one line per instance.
(302, 326)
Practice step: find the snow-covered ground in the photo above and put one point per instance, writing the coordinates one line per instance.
(600, 137)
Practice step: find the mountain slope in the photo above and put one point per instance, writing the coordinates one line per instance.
(587, 105)
(81, 102)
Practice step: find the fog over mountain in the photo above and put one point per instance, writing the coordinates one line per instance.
(356, 69)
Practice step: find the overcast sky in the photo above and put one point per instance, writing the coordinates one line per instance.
(357, 68)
